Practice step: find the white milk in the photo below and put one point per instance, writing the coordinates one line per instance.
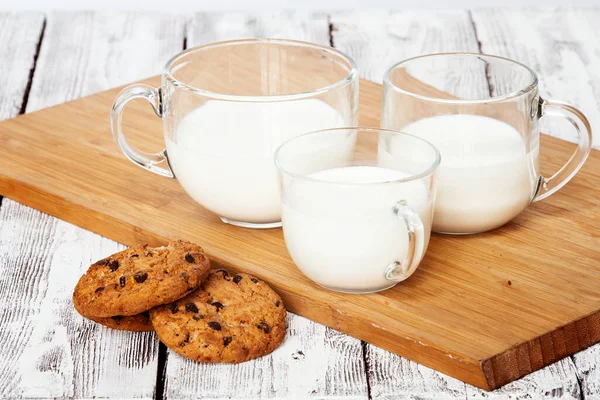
(485, 178)
(343, 237)
(222, 153)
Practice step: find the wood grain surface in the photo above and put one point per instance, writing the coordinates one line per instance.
(387, 375)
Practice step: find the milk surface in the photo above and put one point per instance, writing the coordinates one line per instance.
(344, 236)
(486, 177)
(222, 153)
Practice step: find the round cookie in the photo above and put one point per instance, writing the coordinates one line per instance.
(139, 278)
(231, 318)
(135, 323)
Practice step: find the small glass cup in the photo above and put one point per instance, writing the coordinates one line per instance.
(227, 106)
(482, 112)
(357, 205)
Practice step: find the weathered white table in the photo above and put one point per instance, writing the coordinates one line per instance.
(47, 350)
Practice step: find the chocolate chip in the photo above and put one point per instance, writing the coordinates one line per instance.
(222, 271)
(134, 255)
(185, 277)
(113, 265)
(98, 290)
(140, 276)
(198, 317)
(237, 279)
(219, 305)
(215, 325)
(185, 341)
(173, 307)
(104, 261)
(227, 340)
(166, 272)
(263, 326)
(122, 281)
(277, 303)
(191, 307)
(189, 258)
(254, 280)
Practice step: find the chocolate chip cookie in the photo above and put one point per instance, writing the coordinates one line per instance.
(231, 318)
(139, 278)
(136, 323)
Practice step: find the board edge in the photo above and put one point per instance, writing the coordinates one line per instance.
(541, 351)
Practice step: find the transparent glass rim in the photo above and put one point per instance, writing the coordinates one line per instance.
(428, 171)
(531, 86)
(350, 76)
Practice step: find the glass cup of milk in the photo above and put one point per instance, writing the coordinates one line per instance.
(227, 106)
(482, 112)
(357, 205)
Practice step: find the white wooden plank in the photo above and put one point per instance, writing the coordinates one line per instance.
(314, 361)
(84, 53)
(377, 40)
(561, 45)
(19, 36)
(558, 380)
(298, 25)
(587, 364)
(391, 376)
(47, 349)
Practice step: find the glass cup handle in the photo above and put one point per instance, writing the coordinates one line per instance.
(547, 186)
(400, 270)
(149, 161)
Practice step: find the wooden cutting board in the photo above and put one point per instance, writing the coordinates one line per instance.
(486, 309)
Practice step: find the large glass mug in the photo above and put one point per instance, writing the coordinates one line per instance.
(227, 106)
(482, 114)
(357, 205)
